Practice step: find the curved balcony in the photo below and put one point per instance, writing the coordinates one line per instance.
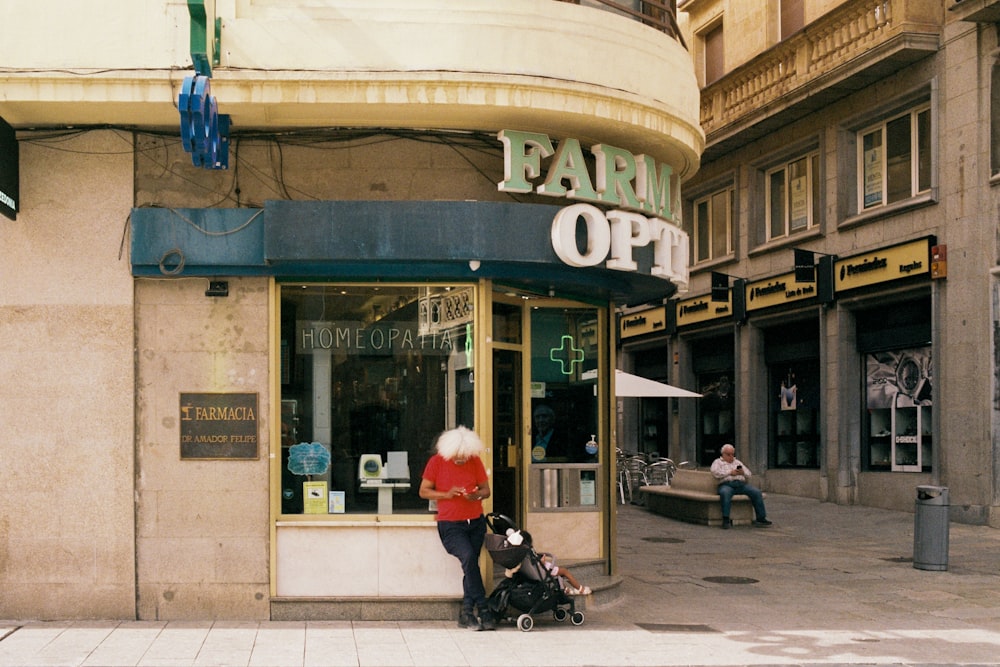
(560, 68)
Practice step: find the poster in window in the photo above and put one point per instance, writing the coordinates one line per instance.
(873, 176)
(799, 205)
(900, 378)
(338, 502)
(314, 498)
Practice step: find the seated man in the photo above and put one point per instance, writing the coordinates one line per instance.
(732, 476)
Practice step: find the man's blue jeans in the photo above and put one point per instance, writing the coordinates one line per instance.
(734, 487)
(464, 541)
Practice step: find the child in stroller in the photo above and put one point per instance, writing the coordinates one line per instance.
(548, 561)
(532, 585)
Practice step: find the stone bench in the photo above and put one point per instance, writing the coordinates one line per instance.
(692, 496)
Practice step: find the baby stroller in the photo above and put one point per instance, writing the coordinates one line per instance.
(532, 589)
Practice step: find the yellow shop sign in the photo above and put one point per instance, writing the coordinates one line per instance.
(884, 265)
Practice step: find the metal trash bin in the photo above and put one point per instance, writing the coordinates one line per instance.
(930, 528)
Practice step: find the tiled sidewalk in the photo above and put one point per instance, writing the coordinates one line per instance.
(826, 584)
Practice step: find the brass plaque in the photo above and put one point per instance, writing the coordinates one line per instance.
(218, 426)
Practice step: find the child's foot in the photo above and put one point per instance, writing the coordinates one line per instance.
(583, 590)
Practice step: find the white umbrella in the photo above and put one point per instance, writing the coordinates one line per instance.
(627, 384)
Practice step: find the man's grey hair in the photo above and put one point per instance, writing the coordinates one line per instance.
(459, 443)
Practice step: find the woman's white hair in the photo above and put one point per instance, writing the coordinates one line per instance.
(459, 443)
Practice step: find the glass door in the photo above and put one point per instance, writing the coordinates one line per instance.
(564, 410)
(563, 384)
(508, 322)
(545, 402)
(549, 426)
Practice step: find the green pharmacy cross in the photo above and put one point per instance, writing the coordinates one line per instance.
(566, 355)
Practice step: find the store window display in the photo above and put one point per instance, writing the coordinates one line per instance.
(717, 407)
(795, 414)
(899, 399)
(372, 373)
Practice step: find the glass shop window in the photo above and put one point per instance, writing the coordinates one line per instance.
(370, 375)
(794, 400)
(717, 410)
(899, 398)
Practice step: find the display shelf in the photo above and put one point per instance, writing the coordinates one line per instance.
(796, 439)
(880, 439)
(906, 439)
(899, 438)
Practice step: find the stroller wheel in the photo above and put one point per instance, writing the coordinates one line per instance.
(525, 622)
(560, 614)
(577, 618)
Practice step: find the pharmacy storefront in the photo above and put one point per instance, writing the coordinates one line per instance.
(371, 326)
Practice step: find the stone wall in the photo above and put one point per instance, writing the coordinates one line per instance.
(202, 525)
(66, 402)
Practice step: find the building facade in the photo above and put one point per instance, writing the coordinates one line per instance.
(257, 255)
(841, 320)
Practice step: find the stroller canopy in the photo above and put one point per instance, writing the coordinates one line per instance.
(503, 552)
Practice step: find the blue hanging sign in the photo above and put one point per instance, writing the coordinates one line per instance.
(204, 131)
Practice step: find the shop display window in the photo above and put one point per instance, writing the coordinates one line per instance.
(717, 409)
(371, 374)
(654, 413)
(899, 400)
(654, 427)
(794, 414)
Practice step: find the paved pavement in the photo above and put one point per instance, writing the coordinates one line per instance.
(826, 584)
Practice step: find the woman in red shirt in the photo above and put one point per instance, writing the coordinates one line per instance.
(456, 478)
